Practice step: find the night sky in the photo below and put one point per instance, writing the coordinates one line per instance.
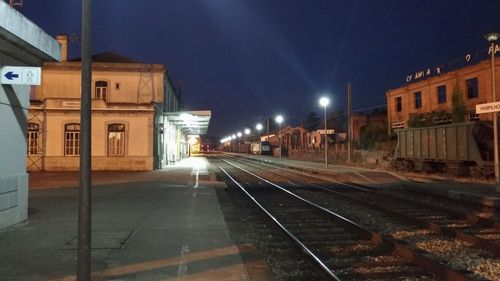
(248, 58)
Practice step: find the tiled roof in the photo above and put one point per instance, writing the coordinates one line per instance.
(111, 57)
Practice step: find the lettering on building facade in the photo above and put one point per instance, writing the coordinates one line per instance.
(424, 73)
(433, 71)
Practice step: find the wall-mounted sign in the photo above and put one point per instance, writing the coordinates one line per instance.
(328, 131)
(20, 75)
(488, 107)
(71, 103)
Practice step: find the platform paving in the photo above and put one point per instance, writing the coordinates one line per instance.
(161, 225)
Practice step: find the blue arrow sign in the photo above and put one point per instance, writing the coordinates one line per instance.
(20, 75)
(10, 75)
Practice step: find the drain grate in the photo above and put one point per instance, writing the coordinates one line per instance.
(102, 239)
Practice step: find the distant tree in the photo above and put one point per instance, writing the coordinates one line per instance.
(458, 108)
(370, 135)
(312, 122)
(337, 120)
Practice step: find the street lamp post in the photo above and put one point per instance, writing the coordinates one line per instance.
(492, 37)
(324, 103)
(84, 237)
(279, 119)
(267, 120)
(239, 140)
(247, 132)
(233, 137)
(259, 128)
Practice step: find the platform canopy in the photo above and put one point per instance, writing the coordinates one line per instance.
(191, 122)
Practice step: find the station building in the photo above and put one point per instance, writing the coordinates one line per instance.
(22, 44)
(431, 90)
(137, 121)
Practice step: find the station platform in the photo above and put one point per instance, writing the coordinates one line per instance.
(477, 192)
(160, 225)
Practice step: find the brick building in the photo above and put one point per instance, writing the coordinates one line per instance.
(434, 94)
(360, 121)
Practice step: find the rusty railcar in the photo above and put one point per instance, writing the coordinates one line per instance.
(457, 148)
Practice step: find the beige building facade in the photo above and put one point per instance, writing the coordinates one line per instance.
(129, 101)
(435, 94)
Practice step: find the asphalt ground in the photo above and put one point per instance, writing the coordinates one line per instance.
(161, 225)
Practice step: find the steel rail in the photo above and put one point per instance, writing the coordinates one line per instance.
(400, 248)
(295, 239)
(466, 217)
(448, 231)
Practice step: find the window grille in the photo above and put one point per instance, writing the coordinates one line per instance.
(418, 100)
(441, 92)
(33, 135)
(472, 88)
(116, 140)
(101, 89)
(399, 105)
(72, 139)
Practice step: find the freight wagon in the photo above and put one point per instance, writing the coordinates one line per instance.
(459, 148)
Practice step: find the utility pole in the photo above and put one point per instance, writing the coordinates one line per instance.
(85, 192)
(492, 37)
(267, 118)
(349, 123)
(326, 142)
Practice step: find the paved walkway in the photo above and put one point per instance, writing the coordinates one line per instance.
(161, 225)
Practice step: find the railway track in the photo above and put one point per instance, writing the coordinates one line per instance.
(460, 239)
(344, 249)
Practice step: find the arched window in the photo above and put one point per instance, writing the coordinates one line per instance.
(72, 139)
(101, 89)
(116, 139)
(33, 135)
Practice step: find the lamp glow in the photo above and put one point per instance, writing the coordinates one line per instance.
(324, 101)
(492, 36)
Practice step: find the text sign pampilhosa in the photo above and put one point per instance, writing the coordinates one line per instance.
(328, 131)
(20, 75)
(488, 107)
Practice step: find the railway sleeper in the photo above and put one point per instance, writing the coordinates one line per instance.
(394, 273)
(329, 236)
(367, 261)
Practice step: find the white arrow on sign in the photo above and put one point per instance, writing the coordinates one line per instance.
(20, 75)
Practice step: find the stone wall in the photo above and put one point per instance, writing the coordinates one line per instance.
(339, 157)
